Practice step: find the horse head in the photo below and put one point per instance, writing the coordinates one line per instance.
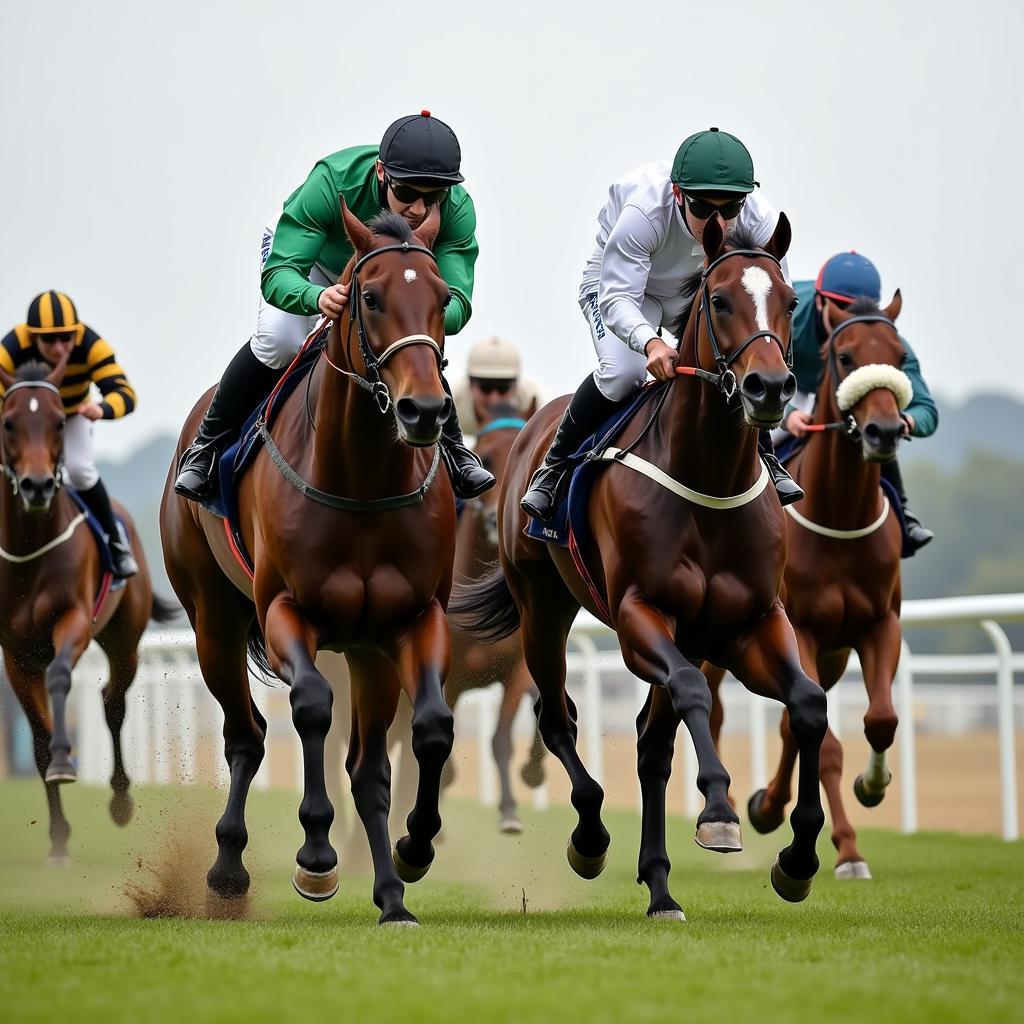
(32, 432)
(494, 440)
(863, 377)
(744, 316)
(396, 312)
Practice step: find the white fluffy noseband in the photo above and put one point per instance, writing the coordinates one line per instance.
(868, 378)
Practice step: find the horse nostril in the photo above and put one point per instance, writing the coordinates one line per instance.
(446, 411)
(789, 388)
(872, 433)
(753, 387)
(407, 411)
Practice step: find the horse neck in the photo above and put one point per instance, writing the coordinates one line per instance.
(356, 448)
(22, 532)
(841, 486)
(709, 447)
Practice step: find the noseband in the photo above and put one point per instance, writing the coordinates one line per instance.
(372, 381)
(8, 470)
(725, 379)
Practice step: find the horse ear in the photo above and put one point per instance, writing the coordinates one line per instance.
(427, 231)
(531, 409)
(837, 315)
(6, 379)
(893, 309)
(778, 244)
(56, 375)
(358, 233)
(713, 238)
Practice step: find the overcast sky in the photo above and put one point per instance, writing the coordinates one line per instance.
(145, 146)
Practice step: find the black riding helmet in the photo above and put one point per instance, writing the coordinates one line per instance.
(422, 149)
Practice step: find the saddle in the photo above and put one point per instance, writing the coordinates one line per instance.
(108, 583)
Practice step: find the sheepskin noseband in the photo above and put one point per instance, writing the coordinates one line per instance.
(868, 378)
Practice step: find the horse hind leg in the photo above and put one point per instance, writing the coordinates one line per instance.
(849, 863)
(501, 749)
(123, 666)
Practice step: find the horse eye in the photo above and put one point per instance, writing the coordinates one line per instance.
(60, 427)
(719, 304)
(845, 360)
(370, 300)
(792, 306)
(9, 426)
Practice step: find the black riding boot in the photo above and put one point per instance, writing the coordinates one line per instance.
(99, 505)
(586, 412)
(245, 382)
(789, 490)
(917, 535)
(469, 478)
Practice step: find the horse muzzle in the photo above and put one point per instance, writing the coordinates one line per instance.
(37, 491)
(764, 396)
(420, 418)
(879, 441)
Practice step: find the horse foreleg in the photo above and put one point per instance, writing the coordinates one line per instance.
(375, 694)
(768, 663)
(714, 676)
(423, 659)
(30, 693)
(879, 655)
(71, 636)
(291, 647)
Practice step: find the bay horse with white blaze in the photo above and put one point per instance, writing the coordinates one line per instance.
(351, 532)
(842, 583)
(50, 577)
(682, 574)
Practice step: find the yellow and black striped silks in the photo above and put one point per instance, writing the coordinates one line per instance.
(51, 313)
(92, 361)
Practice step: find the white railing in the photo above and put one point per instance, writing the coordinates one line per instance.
(172, 721)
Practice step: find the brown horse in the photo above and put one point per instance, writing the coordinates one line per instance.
(842, 583)
(50, 576)
(476, 664)
(351, 531)
(680, 579)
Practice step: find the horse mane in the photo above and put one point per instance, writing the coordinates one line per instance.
(36, 370)
(504, 411)
(392, 225)
(740, 237)
(863, 305)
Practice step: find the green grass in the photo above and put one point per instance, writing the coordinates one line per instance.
(937, 936)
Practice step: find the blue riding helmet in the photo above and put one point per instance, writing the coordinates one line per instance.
(848, 275)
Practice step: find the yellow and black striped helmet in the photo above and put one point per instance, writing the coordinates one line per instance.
(51, 313)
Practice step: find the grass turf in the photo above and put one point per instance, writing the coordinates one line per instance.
(937, 936)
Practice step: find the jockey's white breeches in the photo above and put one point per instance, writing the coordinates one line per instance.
(621, 371)
(79, 453)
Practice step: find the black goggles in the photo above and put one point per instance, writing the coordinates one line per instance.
(409, 195)
(502, 387)
(702, 209)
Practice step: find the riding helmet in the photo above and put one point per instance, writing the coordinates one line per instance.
(51, 313)
(848, 275)
(421, 148)
(713, 161)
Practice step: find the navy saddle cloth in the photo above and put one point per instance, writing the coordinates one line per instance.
(572, 507)
(106, 562)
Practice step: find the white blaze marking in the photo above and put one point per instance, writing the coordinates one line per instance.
(410, 275)
(758, 284)
(33, 405)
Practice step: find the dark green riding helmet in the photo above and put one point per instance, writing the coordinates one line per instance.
(713, 161)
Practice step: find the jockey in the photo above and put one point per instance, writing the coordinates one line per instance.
(305, 250)
(844, 278)
(648, 243)
(52, 330)
(493, 379)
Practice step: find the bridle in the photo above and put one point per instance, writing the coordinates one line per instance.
(372, 382)
(725, 379)
(8, 470)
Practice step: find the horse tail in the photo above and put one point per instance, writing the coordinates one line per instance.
(164, 610)
(485, 608)
(257, 648)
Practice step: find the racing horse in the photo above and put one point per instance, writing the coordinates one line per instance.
(54, 594)
(685, 559)
(842, 582)
(350, 529)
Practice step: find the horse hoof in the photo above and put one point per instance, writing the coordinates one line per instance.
(59, 860)
(666, 915)
(793, 890)
(720, 836)
(853, 869)
(315, 885)
(868, 797)
(406, 872)
(122, 807)
(510, 827)
(399, 922)
(754, 814)
(61, 773)
(585, 867)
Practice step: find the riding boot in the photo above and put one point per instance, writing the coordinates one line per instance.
(789, 490)
(917, 535)
(469, 478)
(586, 412)
(98, 500)
(245, 382)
